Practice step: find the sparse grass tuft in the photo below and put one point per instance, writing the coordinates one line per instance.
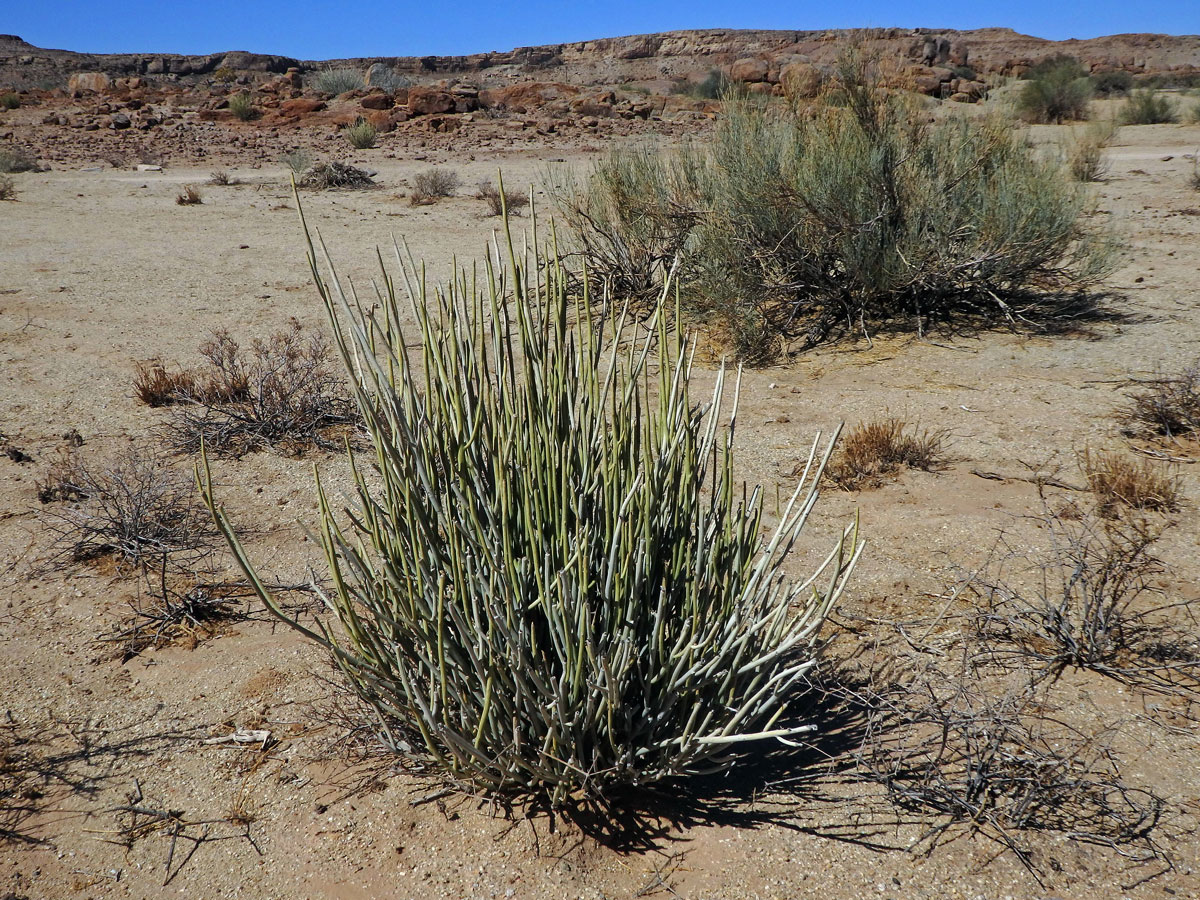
(498, 203)
(9, 100)
(874, 451)
(222, 178)
(1145, 107)
(8, 188)
(338, 81)
(433, 185)
(361, 134)
(1120, 482)
(1168, 406)
(334, 176)
(190, 196)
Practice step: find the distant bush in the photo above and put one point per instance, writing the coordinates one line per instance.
(499, 202)
(298, 160)
(965, 72)
(388, 79)
(222, 178)
(1145, 107)
(801, 223)
(14, 159)
(334, 175)
(712, 87)
(338, 81)
(8, 188)
(361, 134)
(432, 185)
(189, 196)
(9, 100)
(1118, 482)
(550, 585)
(1057, 90)
(242, 106)
(1085, 152)
(1108, 83)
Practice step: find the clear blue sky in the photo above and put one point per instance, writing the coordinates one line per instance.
(327, 30)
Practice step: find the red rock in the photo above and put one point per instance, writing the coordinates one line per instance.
(428, 101)
(88, 82)
(749, 70)
(377, 101)
(302, 106)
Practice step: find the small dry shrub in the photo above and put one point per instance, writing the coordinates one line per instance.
(1121, 482)
(155, 385)
(334, 175)
(874, 451)
(280, 392)
(190, 196)
(1169, 406)
(222, 178)
(242, 106)
(432, 185)
(8, 189)
(498, 202)
(9, 100)
(135, 508)
(1090, 600)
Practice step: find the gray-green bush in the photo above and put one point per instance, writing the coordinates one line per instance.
(1145, 107)
(1058, 90)
(242, 106)
(550, 583)
(361, 134)
(338, 81)
(804, 223)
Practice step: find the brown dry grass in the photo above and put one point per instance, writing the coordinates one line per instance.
(190, 196)
(1119, 481)
(874, 451)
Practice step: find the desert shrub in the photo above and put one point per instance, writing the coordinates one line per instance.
(1108, 83)
(1193, 115)
(1057, 90)
(278, 393)
(222, 178)
(433, 185)
(1194, 178)
(993, 762)
(802, 224)
(335, 176)
(8, 188)
(882, 448)
(189, 196)
(361, 134)
(224, 75)
(1167, 406)
(14, 159)
(1090, 600)
(1119, 482)
(552, 585)
(1085, 152)
(1145, 107)
(9, 100)
(388, 79)
(298, 160)
(338, 81)
(242, 106)
(499, 201)
(135, 507)
(714, 86)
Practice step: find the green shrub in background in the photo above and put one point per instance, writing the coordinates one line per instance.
(1145, 107)
(1056, 90)
(338, 81)
(361, 134)
(810, 223)
(550, 583)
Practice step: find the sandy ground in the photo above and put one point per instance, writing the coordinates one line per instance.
(100, 268)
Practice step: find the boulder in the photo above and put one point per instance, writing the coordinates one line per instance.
(749, 70)
(301, 106)
(119, 122)
(424, 101)
(801, 79)
(88, 82)
(527, 95)
(377, 101)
